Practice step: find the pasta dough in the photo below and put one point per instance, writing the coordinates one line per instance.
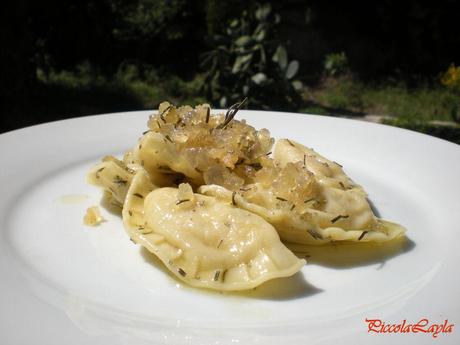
(332, 208)
(228, 235)
(162, 161)
(190, 143)
(203, 241)
(114, 176)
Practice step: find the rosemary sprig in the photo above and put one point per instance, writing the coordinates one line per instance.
(223, 275)
(119, 181)
(167, 137)
(208, 114)
(165, 112)
(340, 216)
(231, 112)
(362, 235)
(315, 234)
(181, 272)
(290, 143)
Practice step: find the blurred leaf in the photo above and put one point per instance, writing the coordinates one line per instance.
(234, 23)
(236, 97)
(259, 78)
(223, 102)
(259, 37)
(280, 56)
(263, 57)
(243, 40)
(240, 63)
(263, 11)
(297, 85)
(292, 69)
(251, 63)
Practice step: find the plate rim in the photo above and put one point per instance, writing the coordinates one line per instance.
(25, 130)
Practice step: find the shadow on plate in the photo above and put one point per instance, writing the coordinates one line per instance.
(282, 289)
(348, 254)
(109, 205)
(276, 289)
(374, 208)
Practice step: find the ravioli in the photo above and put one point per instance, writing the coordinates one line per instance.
(204, 241)
(203, 149)
(162, 160)
(332, 208)
(114, 176)
(228, 235)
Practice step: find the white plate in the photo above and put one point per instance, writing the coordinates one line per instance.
(65, 283)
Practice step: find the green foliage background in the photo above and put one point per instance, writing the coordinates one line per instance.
(68, 58)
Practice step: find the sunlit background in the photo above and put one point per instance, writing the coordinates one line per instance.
(390, 61)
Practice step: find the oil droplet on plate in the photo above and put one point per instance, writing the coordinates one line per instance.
(70, 199)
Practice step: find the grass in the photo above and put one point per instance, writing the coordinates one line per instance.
(450, 133)
(396, 100)
(65, 94)
(433, 110)
(145, 88)
(61, 95)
